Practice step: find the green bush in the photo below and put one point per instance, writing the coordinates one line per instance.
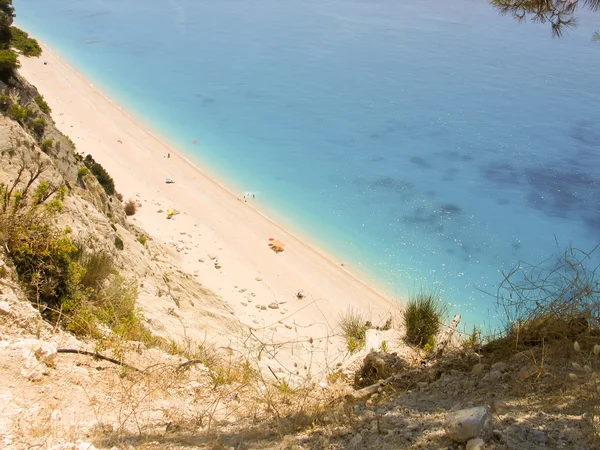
(4, 103)
(143, 239)
(354, 328)
(39, 100)
(21, 40)
(9, 60)
(18, 113)
(47, 145)
(119, 243)
(82, 172)
(101, 174)
(423, 317)
(39, 125)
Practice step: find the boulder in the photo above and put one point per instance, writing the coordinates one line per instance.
(466, 424)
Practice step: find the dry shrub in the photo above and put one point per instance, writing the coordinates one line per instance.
(556, 299)
(130, 208)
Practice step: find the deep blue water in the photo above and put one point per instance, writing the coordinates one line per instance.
(436, 143)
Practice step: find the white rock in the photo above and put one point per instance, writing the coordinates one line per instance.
(86, 446)
(475, 444)
(43, 351)
(4, 308)
(469, 423)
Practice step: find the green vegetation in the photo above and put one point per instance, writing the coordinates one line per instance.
(423, 317)
(559, 14)
(39, 125)
(101, 174)
(142, 240)
(27, 45)
(354, 328)
(119, 243)
(47, 145)
(4, 103)
(82, 172)
(39, 100)
(545, 302)
(130, 208)
(72, 284)
(8, 60)
(19, 113)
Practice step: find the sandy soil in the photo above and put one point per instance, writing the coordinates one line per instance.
(214, 225)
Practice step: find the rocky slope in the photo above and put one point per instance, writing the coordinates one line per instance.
(61, 391)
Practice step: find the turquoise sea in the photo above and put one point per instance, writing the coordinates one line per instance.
(427, 142)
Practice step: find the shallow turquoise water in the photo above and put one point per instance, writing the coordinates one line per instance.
(432, 144)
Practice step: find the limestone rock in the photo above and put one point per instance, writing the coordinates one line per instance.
(273, 306)
(4, 308)
(467, 424)
(475, 444)
(44, 352)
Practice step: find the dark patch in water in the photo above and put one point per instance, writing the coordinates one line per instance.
(420, 162)
(453, 155)
(503, 201)
(391, 184)
(430, 194)
(586, 133)
(503, 174)
(451, 209)
(450, 174)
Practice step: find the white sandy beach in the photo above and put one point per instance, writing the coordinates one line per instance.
(213, 220)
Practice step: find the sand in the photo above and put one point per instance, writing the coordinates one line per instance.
(214, 222)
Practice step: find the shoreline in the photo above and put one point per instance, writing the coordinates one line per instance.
(73, 98)
(360, 274)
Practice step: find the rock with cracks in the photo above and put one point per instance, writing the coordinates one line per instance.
(467, 424)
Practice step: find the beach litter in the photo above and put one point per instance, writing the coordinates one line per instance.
(171, 213)
(277, 246)
(169, 180)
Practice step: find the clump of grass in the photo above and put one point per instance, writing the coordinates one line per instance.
(42, 104)
(354, 329)
(130, 208)
(552, 300)
(143, 239)
(423, 317)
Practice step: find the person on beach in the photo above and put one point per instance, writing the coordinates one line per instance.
(168, 155)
